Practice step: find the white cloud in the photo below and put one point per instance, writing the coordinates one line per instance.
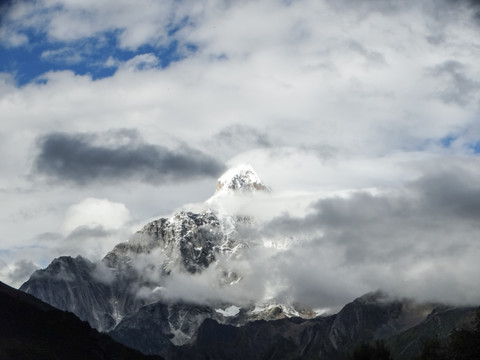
(17, 272)
(111, 62)
(141, 62)
(332, 97)
(67, 21)
(92, 212)
(11, 38)
(67, 55)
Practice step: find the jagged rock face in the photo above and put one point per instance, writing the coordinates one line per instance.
(68, 284)
(187, 241)
(156, 328)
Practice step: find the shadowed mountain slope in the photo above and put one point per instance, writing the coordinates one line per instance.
(33, 330)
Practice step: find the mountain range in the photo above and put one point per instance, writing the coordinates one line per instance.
(132, 294)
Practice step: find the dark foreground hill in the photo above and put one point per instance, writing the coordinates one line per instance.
(33, 330)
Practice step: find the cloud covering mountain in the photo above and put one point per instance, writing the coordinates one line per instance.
(361, 116)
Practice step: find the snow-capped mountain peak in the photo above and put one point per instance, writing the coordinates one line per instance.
(241, 178)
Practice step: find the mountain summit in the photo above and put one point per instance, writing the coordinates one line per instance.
(242, 179)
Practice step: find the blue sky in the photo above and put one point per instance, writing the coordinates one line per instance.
(116, 112)
(33, 50)
(88, 56)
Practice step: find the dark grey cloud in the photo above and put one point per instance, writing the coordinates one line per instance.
(5, 8)
(474, 5)
(441, 10)
(459, 88)
(118, 156)
(420, 240)
(451, 193)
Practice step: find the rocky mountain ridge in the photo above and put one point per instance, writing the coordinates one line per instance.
(132, 275)
(126, 294)
(331, 337)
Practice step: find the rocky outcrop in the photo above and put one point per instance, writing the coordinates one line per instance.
(157, 328)
(69, 284)
(104, 293)
(186, 241)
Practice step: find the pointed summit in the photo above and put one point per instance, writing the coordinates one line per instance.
(241, 178)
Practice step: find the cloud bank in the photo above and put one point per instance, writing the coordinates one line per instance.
(417, 240)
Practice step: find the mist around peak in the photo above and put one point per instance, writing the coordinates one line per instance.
(241, 178)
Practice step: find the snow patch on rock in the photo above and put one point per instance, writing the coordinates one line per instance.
(229, 312)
